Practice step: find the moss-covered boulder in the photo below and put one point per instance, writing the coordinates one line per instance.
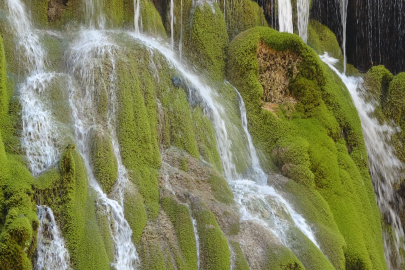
(324, 115)
(103, 160)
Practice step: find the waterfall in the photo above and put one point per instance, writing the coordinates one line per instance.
(38, 136)
(172, 23)
(136, 17)
(303, 15)
(247, 192)
(197, 240)
(384, 165)
(285, 16)
(84, 60)
(51, 251)
(343, 16)
(94, 14)
(181, 30)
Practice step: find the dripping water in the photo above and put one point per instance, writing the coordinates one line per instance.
(197, 239)
(343, 15)
(285, 16)
(172, 23)
(384, 165)
(51, 251)
(136, 17)
(303, 15)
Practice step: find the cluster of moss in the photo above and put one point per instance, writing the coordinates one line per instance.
(325, 122)
(18, 220)
(214, 249)
(386, 92)
(179, 215)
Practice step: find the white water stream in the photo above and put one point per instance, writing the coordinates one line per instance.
(285, 20)
(343, 17)
(197, 240)
(51, 251)
(137, 13)
(384, 165)
(303, 16)
(90, 55)
(38, 136)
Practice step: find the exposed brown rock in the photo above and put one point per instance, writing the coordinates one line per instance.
(276, 69)
(55, 9)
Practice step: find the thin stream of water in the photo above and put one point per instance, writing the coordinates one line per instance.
(285, 20)
(303, 16)
(51, 251)
(384, 165)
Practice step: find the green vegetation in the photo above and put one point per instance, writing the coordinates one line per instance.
(325, 117)
(208, 40)
(179, 215)
(240, 261)
(220, 188)
(214, 250)
(134, 212)
(103, 160)
(242, 15)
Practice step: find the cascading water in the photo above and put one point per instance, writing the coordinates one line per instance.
(172, 23)
(247, 192)
(285, 16)
(197, 240)
(51, 251)
(38, 136)
(343, 15)
(384, 165)
(94, 14)
(84, 62)
(303, 16)
(136, 17)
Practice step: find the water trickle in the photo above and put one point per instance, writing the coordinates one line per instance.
(38, 136)
(94, 14)
(181, 30)
(303, 15)
(285, 16)
(51, 251)
(136, 17)
(93, 52)
(197, 239)
(384, 165)
(172, 23)
(343, 17)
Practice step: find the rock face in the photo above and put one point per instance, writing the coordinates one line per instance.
(375, 31)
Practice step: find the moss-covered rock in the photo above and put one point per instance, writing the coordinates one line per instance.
(134, 211)
(240, 16)
(103, 161)
(323, 112)
(179, 215)
(214, 250)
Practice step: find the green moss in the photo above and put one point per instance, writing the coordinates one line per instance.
(135, 213)
(316, 211)
(240, 16)
(209, 40)
(322, 39)
(240, 261)
(179, 215)
(151, 255)
(214, 250)
(206, 140)
(281, 258)
(18, 236)
(324, 116)
(395, 99)
(103, 161)
(103, 224)
(78, 220)
(151, 21)
(292, 157)
(220, 188)
(183, 164)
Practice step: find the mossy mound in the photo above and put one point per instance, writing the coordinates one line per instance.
(214, 250)
(103, 160)
(240, 16)
(323, 112)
